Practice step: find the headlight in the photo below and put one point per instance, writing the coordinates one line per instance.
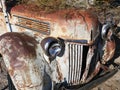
(105, 30)
(52, 47)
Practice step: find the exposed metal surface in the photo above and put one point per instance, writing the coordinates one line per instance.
(3, 28)
(34, 25)
(24, 62)
(88, 63)
(75, 63)
(6, 15)
(69, 24)
(109, 50)
(74, 66)
(79, 65)
(81, 70)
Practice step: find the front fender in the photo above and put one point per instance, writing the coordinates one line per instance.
(24, 62)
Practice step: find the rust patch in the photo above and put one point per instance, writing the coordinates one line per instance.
(60, 77)
(1, 10)
(64, 30)
(87, 17)
(17, 46)
(95, 72)
(109, 50)
(11, 72)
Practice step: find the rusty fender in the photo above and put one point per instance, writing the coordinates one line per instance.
(109, 51)
(24, 62)
(110, 45)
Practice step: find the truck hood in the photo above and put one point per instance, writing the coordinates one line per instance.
(68, 24)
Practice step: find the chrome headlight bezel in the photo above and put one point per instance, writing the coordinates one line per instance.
(52, 47)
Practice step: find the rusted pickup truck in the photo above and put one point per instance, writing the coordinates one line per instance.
(66, 49)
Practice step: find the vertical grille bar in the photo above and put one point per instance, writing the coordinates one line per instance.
(69, 76)
(75, 63)
(81, 59)
(71, 60)
(73, 68)
(78, 64)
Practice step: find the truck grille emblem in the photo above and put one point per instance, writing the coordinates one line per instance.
(35, 25)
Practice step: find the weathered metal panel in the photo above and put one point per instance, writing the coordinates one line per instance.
(35, 25)
(75, 63)
(73, 67)
(69, 24)
(109, 50)
(23, 59)
(31, 69)
(3, 28)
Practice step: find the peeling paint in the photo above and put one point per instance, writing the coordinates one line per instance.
(30, 68)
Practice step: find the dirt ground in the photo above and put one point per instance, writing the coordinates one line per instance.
(111, 84)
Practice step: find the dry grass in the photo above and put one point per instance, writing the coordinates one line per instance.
(54, 5)
(47, 5)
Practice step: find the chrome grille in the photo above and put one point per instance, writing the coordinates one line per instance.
(40, 26)
(75, 63)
